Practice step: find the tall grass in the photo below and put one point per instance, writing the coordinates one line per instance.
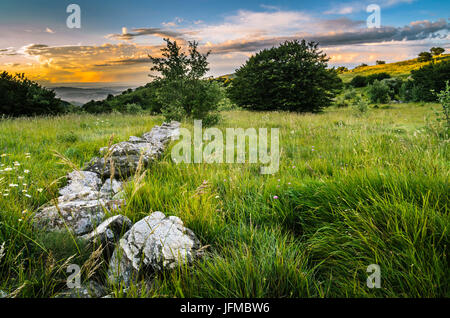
(351, 191)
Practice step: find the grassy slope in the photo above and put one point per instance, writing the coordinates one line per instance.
(374, 190)
(398, 69)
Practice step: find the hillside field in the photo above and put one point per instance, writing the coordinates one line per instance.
(400, 69)
(352, 190)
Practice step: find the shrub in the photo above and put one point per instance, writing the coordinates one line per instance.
(361, 105)
(429, 78)
(341, 102)
(198, 99)
(405, 91)
(379, 92)
(133, 108)
(292, 77)
(350, 94)
(358, 81)
(22, 97)
(377, 77)
(394, 85)
(444, 98)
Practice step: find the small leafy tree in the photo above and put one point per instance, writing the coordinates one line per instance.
(293, 77)
(425, 57)
(361, 106)
(181, 89)
(437, 51)
(380, 62)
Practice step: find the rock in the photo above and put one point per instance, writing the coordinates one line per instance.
(120, 196)
(90, 290)
(79, 216)
(81, 181)
(109, 189)
(110, 230)
(163, 134)
(125, 155)
(153, 243)
(82, 204)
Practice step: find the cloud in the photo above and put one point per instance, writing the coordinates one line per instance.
(358, 6)
(48, 30)
(88, 63)
(125, 36)
(8, 52)
(415, 31)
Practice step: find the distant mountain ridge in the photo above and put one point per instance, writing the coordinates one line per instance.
(79, 96)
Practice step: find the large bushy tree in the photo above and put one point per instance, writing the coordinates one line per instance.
(293, 77)
(22, 97)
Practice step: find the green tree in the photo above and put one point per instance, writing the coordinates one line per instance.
(431, 78)
(342, 69)
(437, 51)
(380, 62)
(181, 89)
(293, 77)
(425, 57)
(358, 81)
(22, 97)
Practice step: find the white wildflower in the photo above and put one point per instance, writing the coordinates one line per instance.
(2, 251)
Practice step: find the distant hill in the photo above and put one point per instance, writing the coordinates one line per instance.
(79, 96)
(398, 69)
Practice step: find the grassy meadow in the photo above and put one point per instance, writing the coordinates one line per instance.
(352, 190)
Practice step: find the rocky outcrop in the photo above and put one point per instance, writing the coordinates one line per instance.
(123, 158)
(85, 199)
(153, 243)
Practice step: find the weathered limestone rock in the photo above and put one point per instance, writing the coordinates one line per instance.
(109, 189)
(153, 243)
(110, 230)
(81, 181)
(81, 206)
(81, 217)
(125, 155)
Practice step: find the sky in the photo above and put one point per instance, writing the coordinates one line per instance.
(115, 37)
